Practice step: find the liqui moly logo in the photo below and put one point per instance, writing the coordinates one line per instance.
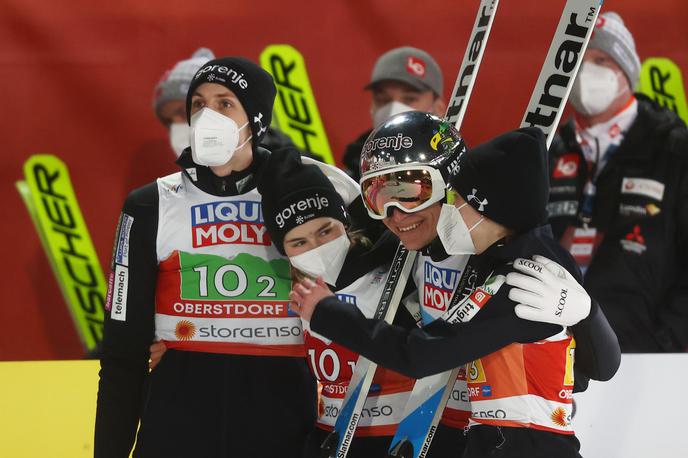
(438, 286)
(232, 222)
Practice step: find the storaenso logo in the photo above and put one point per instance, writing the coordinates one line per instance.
(545, 111)
(316, 202)
(393, 142)
(499, 413)
(234, 76)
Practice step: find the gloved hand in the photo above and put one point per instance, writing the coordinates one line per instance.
(546, 292)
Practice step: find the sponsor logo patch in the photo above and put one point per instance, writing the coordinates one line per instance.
(415, 66)
(120, 281)
(231, 222)
(567, 166)
(632, 210)
(562, 208)
(643, 187)
(122, 251)
(634, 241)
(439, 283)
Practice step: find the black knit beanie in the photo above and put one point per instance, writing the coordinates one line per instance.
(252, 85)
(506, 179)
(294, 193)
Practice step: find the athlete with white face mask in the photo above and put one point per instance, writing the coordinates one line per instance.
(619, 202)
(307, 220)
(194, 267)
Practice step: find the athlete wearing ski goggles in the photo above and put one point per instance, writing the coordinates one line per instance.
(410, 188)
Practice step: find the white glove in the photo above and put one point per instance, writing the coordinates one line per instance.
(546, 292)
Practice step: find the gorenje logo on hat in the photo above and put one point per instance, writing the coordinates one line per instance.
(316, 203)
(234, 76)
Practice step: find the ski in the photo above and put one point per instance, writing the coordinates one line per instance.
(295, 112)
(463, 87)
(50, 200)
(561, 65)
(430, 394)
(337, 443)
(660, 79)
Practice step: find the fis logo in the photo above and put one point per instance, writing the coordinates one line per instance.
(235, 222)
(438, 286)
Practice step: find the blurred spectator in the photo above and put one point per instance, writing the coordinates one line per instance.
(619, 196)
(403, 79)
(169, 101)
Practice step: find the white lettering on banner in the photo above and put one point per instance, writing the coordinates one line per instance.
(643, 187)
(119, 295)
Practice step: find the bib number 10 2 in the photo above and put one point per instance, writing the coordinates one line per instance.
(232, 275)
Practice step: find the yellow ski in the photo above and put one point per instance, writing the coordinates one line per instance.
(51, 202)
(295, 112)
(660, 79)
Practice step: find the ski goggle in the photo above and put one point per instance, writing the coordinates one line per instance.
(410, 188)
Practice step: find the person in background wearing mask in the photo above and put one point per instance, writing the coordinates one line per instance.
(619, 196)
(192, 265)
(169, 100)
(403, 79)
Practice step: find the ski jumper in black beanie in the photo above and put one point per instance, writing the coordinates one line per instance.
(193, 265)
(293, 194)
(505, 180)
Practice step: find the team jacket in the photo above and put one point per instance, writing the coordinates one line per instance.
(192, 265)
(639, 272)
(441, 346)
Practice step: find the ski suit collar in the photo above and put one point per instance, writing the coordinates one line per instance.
(233, 184)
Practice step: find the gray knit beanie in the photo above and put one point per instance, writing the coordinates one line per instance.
(611, 36)
(174, 83)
